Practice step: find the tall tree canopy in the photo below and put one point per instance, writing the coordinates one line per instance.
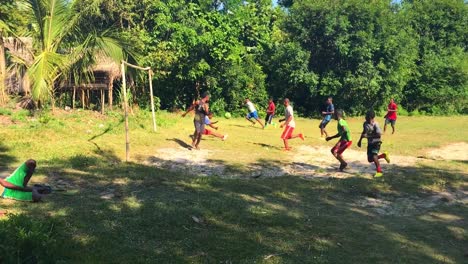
(360, 52)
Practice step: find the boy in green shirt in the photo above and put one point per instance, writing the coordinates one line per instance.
(16, 185)
(345, 139)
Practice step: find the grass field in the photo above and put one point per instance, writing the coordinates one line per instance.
(155, 209)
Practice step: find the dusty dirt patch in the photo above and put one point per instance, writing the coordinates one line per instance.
(456, 151)
(412, 205)
(305, 161)
(5, 120)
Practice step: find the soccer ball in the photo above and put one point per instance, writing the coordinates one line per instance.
(227, 115)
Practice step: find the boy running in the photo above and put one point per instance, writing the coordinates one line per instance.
(201, 108)
(288, 125)
(372, 132)
(252, 113)
(345, 139)
(211, 124)
(327, 115)
(270, 112)
(391, 116)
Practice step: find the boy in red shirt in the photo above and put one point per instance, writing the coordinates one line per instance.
(391, 116)
(270, 112)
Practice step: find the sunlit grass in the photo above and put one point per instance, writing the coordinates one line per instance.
(148, 216)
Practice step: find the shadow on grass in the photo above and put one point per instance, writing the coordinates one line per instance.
(5, 159)
(180, 142)
(137, 213)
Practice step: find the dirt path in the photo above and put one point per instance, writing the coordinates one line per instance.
(305, 161)
(317, 163)
(456, 151)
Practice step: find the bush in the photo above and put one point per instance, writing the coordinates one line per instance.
(20, 115)
(27, 240)
(4, 111)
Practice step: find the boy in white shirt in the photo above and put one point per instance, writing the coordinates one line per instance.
(252, 113)
(289, 125)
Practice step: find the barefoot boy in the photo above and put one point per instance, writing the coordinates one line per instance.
(288, 125)
(345, 139)
(372, 132)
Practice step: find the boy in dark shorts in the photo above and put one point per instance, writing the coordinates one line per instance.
(270, 112)
(372, 132)
(391, 116)
(327, 115)
(345, 139)
(202, 109)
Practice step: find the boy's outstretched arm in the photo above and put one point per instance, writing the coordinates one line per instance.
(332, 137)
(190, 109)
(212, 126)
(14, 187)
(363, 135)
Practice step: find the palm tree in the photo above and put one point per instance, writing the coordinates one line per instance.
(61, 46)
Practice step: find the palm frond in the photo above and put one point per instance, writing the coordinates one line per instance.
(43, 72)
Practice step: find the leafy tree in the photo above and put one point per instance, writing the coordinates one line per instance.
(439, 83)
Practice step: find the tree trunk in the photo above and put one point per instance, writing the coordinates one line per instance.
(3, 74)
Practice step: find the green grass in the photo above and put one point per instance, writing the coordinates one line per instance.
(266, 220)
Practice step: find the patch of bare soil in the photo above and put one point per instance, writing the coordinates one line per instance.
(412, 205)
(456, 151)
(305, 161)
(5, 120)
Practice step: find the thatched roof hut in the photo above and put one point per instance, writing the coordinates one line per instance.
(104, 72)
(19, 50)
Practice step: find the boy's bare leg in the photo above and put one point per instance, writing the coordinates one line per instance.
(260, 122)
(197, 140)
(297, 135)
(286, 145)
(253, 123)
(217, 135)
(36, 196)
(393, 129)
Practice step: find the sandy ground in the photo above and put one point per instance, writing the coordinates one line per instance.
(457, 151)
(305, 161)
(317, 163)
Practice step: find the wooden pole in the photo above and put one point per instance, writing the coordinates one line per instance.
(87, 99)
(127, 140)
(74, 96)
(83, 99)
(103, 102)
(111, 84)
(150, 77)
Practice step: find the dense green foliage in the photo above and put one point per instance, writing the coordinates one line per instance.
(362, 53)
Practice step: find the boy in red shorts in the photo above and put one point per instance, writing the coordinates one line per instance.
(345, 139)
(211, 124)
(289, 125)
